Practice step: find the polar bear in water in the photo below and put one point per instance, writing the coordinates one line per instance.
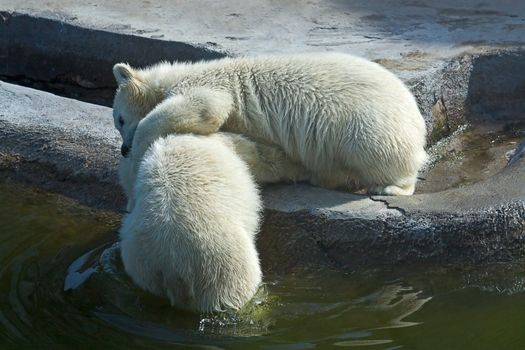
(194, 214)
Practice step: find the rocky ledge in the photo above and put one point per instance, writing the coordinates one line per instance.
(71, 147)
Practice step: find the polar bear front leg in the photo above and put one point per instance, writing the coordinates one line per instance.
(126, 176)
(198, 111)
(267, 163)
(273, 165)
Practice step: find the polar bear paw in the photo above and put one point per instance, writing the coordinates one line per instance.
(393, 190)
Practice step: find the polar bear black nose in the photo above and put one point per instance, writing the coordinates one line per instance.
(124, 149)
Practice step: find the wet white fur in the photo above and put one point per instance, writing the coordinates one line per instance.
(190, 235)
(347, 120)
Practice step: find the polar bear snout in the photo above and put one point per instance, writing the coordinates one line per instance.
(124, 150)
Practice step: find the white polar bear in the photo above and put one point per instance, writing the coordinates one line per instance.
(267, 164)
(190, 234)
(345, 119)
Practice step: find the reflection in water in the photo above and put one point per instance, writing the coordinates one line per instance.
(82, 268)
(400, 302)
(355, 343)
(145, 329)
(62, 285)
(393, 301)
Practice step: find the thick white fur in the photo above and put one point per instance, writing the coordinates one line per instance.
(267, 164)
(191, 230)
(347, 120)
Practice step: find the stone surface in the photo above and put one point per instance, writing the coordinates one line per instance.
(71, 147)
(65, 41)
(60, 144)
(409, 32)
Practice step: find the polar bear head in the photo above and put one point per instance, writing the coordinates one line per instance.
(133, 100)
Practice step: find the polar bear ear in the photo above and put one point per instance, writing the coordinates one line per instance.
(123, 73)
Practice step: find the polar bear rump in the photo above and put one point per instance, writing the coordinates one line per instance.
(190, 235)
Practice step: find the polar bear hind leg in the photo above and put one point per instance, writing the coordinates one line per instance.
(394, 190)
(399, 178)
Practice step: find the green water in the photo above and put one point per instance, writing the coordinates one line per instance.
(50, 243)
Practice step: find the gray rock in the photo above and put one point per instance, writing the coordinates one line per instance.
(60, 41)
(72, 147)
(60, 144)
(516, 154)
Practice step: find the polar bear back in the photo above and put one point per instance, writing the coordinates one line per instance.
(332, 112)
(190, 235)
(334, 109)
(345, 119)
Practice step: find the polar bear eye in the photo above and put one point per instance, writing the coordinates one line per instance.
(121, 120)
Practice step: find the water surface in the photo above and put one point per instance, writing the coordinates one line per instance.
(62, 287)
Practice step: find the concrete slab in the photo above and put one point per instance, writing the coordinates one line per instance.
(414, 31)
(68, 42)
(435, 47)
(71, 147)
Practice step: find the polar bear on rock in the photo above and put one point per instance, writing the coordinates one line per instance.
(194, 213)
(349, 122)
